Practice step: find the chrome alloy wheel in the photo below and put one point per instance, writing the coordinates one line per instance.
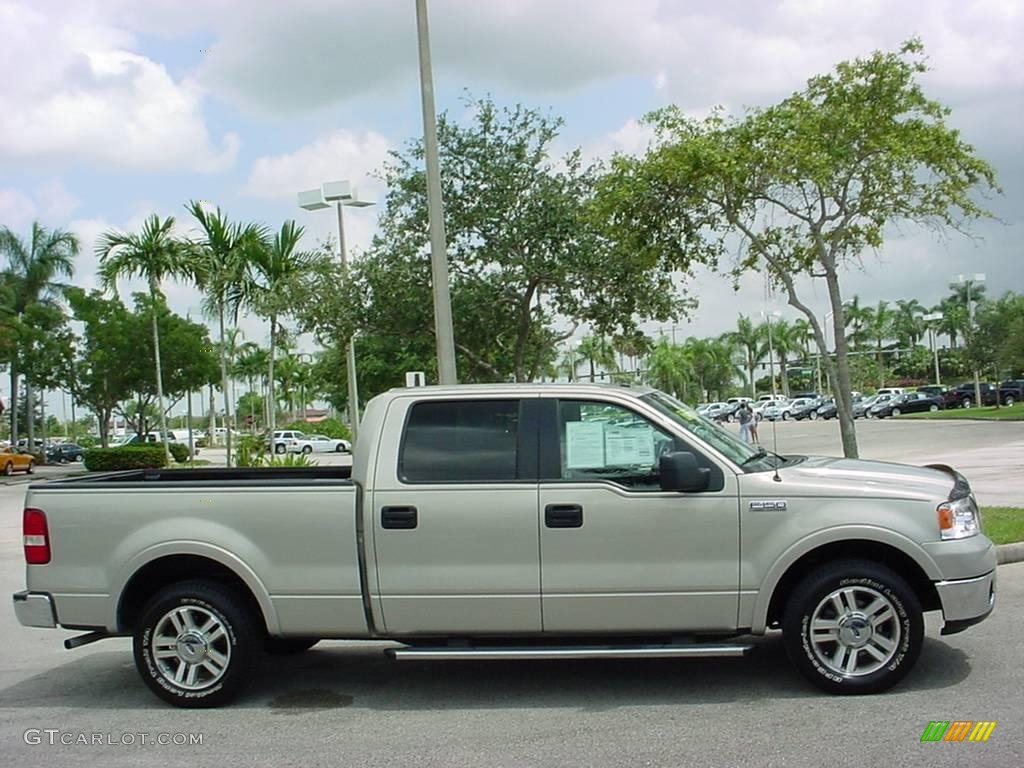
(855, 631)
(191, 647)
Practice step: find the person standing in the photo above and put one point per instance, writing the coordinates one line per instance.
(753, 427)
(746, 418)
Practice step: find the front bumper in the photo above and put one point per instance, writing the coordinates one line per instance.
(35, 609)
(965, 602)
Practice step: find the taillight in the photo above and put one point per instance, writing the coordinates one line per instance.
(37, 537)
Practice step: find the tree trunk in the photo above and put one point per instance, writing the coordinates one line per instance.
(751, 365)
(592, 371)
(272, 415)
(159, 378)
(784, 372)
(30, 414)
(14, 404)
(843, 386)
(42, 407)
(881, 365)
(228, 421)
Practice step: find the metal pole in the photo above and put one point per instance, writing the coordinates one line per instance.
(350, 345)
(970, 321)
(438, 248)
(935, 352)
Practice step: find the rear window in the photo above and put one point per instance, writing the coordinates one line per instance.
(460, 441)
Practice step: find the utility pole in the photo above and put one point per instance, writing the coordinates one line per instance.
(438, 247)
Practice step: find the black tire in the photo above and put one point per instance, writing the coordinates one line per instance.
(933, 407)
(966, 402)
(307, 449)
(340, 448)
(31, 468)
(239, 642)
(279, 448)
(896, 411)
(284, 646)
(1010, 400)
(785, 416)
(865, 580)
(813, 415)
(9, 468)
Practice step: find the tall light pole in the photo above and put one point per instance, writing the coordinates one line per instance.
(934, 317)
(962, 280)
(435, 208)
(342, 193)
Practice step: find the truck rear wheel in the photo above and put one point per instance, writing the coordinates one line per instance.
(196, 644)
(853, 627)
(283, 646)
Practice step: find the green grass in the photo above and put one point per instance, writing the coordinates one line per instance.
(1003, 525)
(197, 463)
(989, 413)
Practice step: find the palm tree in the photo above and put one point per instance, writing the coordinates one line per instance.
(154, 255)
(30, 278)
(787, 339)
(669, 369)
(880, 327)
(857, 316)
(750, 340)
(273, 266)
(599, 352)
(907, 324)
(250, 365)
(713, 363)
(220, 262)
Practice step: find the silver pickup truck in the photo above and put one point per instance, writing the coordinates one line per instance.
(513, 521)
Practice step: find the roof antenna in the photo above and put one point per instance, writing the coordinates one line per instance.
(771, 373)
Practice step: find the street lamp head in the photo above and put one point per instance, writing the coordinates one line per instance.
(312, 200)
(337, 191)
(980, 277)
(360, 199)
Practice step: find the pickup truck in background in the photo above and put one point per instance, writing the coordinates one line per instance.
(513, 522)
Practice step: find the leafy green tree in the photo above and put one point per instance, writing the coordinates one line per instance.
(908, 325)
(154, 255)
(31, 276)
(880, 327)
(788, 339)
(809, 185)
(599, 353)
(669, 369)
(751, 340)
(857, 318)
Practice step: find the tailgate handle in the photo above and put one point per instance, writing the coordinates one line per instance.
(398, 518)
(563, 516)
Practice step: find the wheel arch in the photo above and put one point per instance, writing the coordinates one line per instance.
(788, 573)
(160, 570)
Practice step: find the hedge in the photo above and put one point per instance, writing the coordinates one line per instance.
(129, 457)
(179, 452)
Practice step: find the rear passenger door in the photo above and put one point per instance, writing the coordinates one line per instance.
(454, 505)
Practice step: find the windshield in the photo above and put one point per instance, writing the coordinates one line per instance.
(715, 435)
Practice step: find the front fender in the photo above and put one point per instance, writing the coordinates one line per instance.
(832, 535)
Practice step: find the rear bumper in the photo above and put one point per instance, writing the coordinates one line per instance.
(35, 609)
(965, 602)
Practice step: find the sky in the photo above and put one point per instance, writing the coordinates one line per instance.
(111, 110)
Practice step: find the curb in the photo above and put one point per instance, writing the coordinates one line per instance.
(1010, 553)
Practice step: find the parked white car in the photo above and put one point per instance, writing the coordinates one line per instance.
(779, 409)
(319, 444)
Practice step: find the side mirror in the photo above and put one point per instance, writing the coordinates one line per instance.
(679, 472)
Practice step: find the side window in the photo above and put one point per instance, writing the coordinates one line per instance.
(460, 441)
(602, 441)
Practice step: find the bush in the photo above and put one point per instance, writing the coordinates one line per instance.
(250, 451)
(328, 427)
(179, 452)
(129, 457)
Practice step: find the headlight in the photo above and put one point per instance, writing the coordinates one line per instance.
(959, 519)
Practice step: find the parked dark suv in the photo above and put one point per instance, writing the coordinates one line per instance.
(1011, 392)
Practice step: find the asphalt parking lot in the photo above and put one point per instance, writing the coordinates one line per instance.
(345, 704)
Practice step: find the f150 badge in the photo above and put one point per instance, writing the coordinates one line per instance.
(766, 506)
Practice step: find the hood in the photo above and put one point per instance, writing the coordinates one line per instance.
(828, 476)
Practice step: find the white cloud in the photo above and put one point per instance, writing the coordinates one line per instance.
(83, 96)
(50, 202)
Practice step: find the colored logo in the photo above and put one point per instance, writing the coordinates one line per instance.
(958, 730)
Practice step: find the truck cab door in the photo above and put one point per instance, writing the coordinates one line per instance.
(618, 553)
(454, 505)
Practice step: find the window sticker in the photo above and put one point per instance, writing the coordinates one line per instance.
(584, 444)
(629, 446)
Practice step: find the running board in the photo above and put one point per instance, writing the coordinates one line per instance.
(695, 650)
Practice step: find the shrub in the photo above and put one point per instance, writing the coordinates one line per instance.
(129, 457)
(250, 451)
(328, 427)
(179, 452)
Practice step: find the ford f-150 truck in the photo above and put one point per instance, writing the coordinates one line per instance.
(513, 521)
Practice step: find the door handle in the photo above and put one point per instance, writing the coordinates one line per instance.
(563, 516)
(398, 518)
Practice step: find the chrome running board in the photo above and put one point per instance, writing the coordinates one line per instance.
(695, 650)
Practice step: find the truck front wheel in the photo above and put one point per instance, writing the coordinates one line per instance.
(853, 627)
(196, 644)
